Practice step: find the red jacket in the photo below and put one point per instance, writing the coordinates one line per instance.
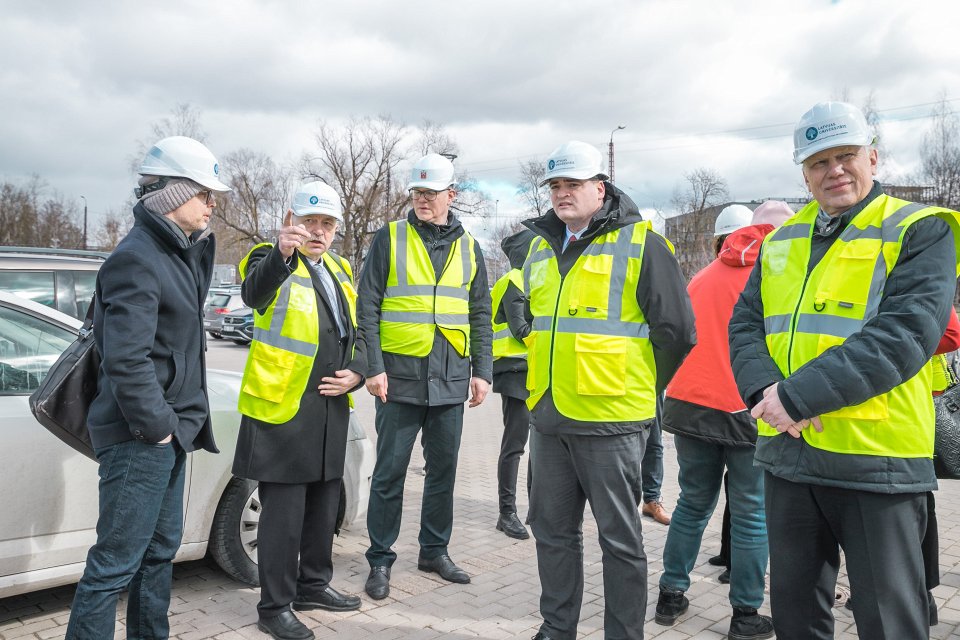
(702, 400)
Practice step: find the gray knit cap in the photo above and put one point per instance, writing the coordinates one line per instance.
(175, 193)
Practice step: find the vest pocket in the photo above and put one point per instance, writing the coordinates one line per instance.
(268, 374)
(593, 282)
(601, 365)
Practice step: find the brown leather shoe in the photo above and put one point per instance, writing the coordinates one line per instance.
(655, 510)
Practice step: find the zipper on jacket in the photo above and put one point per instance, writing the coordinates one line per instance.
(553, 333)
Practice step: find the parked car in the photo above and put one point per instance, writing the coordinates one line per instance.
(220, 302)
(63, 279)
(238, 326)
(50, 491)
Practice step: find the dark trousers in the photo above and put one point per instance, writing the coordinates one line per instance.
(516, 428)
(568, 472)
(397, 427)
(930, 545)
(138, 534)
(296, 521)
(880, 536)
(725, 525)
(651, 466)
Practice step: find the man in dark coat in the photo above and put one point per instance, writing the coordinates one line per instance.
(293, 434)
(440, 267)
(151, 405)
(510, 380)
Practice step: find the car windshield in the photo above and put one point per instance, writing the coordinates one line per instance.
(220, 300)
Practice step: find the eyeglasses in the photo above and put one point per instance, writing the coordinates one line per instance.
(207, 197)
(425, 194)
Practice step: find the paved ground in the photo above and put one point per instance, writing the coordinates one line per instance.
(501, 601)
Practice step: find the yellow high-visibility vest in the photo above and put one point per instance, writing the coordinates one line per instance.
(285, 341)
(505, 345)
(590, 342)
(806, 315)
(416, 303)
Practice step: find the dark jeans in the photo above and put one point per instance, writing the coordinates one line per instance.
(397, 427)
(880, 536)
(516, 428)
(295, 542)
(138, 534)
(568, 472)
(651, 467)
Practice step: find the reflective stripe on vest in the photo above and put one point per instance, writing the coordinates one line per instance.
(804, 315)
(416, 303)
(285, 342)
(505, 345)
(589, 342)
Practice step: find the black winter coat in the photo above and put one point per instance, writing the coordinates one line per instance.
(148, 327)
(442, 377)
(510, 374)
(311, 446)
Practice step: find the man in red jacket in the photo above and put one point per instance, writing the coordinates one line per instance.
(712, 430)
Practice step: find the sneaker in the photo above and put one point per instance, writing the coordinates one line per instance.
(655, 510)
(747, 624)
(671, 605)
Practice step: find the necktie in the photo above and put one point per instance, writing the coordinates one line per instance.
(572, 238)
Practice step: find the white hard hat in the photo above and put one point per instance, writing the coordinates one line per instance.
(733, 217)
(317, 199)
(574, 159)
(183, 157)
(432, 171)
(828, 125)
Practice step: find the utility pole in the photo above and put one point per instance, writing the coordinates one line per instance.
(84, 222)
(610, 152)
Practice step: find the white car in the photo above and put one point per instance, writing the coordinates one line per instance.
(50, 491)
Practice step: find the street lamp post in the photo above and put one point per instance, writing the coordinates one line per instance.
(84, 222)
(610, 160)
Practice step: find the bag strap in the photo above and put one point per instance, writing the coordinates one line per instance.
(88, 320)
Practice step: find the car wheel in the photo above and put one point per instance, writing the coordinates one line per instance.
(233, 537)
(242, 343)
(215, 336)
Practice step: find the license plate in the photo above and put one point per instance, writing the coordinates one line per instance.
(228, 329)
(206, 323)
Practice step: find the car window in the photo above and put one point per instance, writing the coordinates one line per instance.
(28, 348)
(33, 285)
(84, 282)
(220, 300)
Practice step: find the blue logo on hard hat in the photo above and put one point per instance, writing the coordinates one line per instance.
(811, 133)
(314, 199)
(551, 165)
(216, 169)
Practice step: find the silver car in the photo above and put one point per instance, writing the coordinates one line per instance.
(50, 491)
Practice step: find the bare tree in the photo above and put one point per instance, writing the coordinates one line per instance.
(184, 120)
(114, 225)
(940, 155)
(493, 256)
(532, 194)
(704, 188)
(433, 138)
(30, 218)
(255, 207)
(359, 160)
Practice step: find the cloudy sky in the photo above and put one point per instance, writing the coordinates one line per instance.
(696, 83)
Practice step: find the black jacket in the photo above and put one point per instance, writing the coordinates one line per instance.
(510, 374)
(311, 446)
(443, 376)
(148, 327)
(661, 294)
(891, 348)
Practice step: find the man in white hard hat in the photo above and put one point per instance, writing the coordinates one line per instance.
(829, 344)
(424, 315)
(610, 324)
(151, 407)
(293, 434)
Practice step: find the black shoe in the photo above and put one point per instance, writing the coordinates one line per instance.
(444, 567)
(285, 627)
(747, 624)
(670, 606)
(541, 636)
(329, 599)
(724, 578)
(378, 582)
(717, 561)
(510, 524)
(932, 608)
